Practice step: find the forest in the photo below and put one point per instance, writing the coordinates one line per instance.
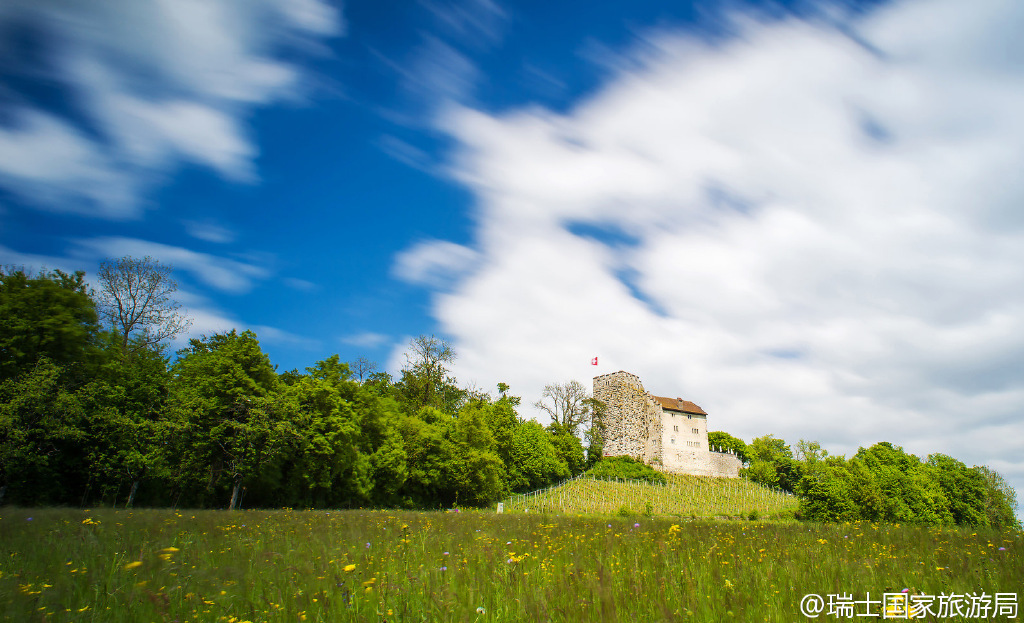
(95, 411)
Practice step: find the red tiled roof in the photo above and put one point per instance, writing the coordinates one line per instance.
(678, 404)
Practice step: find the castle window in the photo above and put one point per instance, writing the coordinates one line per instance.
(689, 417)
(696, 431)
(675, 429)
(673, 440)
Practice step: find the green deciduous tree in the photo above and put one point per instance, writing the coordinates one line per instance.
(534, 462)
(1000, 501)
(771, 463)
(426, 379)
(50, 315)
(568, 448)
(41, 432)
(128, 429)
(474, 470)
(232, 416)
(720, 439)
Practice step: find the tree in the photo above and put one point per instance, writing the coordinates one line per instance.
(827, 495)
(127, 420)
(326, 449)
(533, 461)
(233, 417)
(568, 448)
(771, 463)
(362, 368)
(725, 441)
(47, 316)
(473, 470)
(596, 433)
(426, 380)
(40, 435)
(1000, 502)
(136, 301)
(570, 407)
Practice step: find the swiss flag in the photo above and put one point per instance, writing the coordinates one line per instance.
(593, 361)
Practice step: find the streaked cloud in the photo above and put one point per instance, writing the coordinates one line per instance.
(809, 229)
(367, 339)
(222, 273)
(434, 263)
(152, 85)
(301, 285)
(209, 231)
(406, 153)
(477, 23)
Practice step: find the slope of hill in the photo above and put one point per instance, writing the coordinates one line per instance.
(694, 496)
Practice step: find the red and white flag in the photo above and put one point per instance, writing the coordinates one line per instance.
(593, 361)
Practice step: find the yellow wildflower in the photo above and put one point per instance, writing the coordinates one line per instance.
(132, 565)
(350, 567)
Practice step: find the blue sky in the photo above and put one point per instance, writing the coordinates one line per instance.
(804, 218)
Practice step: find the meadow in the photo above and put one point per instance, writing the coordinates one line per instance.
(175, 565)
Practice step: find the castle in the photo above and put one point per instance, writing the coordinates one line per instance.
(669, 433)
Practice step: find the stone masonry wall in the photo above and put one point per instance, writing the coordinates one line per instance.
(637, 426)
(633, 423)
(725, 465)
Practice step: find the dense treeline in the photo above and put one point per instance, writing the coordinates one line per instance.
(88, 417)
(102, 415)
(880, 483)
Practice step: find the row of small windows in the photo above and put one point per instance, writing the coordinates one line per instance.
(695, 431)
(689, 416)
(691, 444)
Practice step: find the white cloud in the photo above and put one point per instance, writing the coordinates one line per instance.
(274, 335)
(440, 74)
(153, 84)
(367, 339)
(208, 319)
(209, 231)
(50, 161)
(824, 231)
(407, 154)
(33, 263)
(221, 273)
(300, 284)
(434, 262)
(479, 23)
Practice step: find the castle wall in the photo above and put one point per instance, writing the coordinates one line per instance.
(725, 465)
(637, 426)
(633, 424)
(685, 434)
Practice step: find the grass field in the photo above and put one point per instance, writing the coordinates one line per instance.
(685, 496)
(164, 565)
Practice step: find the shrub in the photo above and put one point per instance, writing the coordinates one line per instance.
(625, 468)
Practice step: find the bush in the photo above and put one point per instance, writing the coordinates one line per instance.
(625, 468)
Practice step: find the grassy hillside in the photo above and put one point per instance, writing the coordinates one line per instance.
(688, 496)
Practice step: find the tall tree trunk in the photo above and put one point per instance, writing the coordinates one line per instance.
(131, 495)
(3, 490)
(234, 493)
